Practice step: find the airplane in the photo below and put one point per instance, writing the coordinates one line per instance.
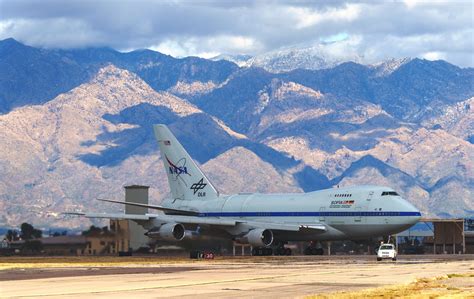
(265, 221)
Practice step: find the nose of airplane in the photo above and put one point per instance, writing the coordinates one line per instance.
(412, 213)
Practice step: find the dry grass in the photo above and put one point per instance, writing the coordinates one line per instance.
(17, 262)
(438, 287)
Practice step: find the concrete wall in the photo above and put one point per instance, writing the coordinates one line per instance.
(139, 194)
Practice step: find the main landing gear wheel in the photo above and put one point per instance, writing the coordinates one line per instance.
(283, 251)
(262, 251)
(313, 251)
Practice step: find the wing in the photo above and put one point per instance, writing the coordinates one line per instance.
(192, 217)
(118, 216)
(284, 226)
(216, 222)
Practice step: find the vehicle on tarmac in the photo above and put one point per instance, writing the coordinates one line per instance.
(266, 221)
(387, 251)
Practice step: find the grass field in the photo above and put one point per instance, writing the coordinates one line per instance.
(15, 262)
(448, 286)
(19, 262)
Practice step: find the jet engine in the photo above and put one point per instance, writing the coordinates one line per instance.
(258, 237)
(168, 232)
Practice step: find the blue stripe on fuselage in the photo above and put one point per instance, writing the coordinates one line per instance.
(307, 214)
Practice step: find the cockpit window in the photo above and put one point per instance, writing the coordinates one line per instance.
(393, 193)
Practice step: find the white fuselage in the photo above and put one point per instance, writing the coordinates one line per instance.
(349, 213)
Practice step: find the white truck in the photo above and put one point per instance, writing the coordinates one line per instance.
(387, 251)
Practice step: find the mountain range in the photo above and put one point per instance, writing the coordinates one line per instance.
(77, 125)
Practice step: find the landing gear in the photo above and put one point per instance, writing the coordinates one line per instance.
(314, 249)
(262, 251)
(282, 250)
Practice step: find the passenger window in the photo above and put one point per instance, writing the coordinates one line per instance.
(392, 193)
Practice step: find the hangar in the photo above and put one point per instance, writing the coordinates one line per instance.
(444, 236)
(447, 235)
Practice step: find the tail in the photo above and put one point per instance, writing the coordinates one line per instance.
(186, 179)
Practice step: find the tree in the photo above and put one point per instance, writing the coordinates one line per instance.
(12, 235)
(28, 232)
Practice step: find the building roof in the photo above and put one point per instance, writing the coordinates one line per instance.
(433, 220)
(59, 240)
(416, 233)
(64, 240)
(136, 187)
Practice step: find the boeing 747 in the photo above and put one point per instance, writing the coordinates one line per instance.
(265, 221)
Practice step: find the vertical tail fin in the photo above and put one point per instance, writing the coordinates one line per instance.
(186, 179)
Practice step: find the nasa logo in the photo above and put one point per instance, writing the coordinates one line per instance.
(177, 169)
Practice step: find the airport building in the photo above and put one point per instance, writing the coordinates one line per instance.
(95, 244)
(122, 236)
(438, 236)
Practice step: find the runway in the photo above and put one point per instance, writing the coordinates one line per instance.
(275, 277)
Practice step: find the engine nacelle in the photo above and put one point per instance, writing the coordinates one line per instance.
(168, 232)
(258, 237)
(191, 235)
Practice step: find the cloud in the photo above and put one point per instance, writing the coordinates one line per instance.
(434, 55)
(376, 29)
(307, 17)
(334, 38)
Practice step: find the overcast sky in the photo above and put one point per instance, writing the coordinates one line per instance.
(374, 29)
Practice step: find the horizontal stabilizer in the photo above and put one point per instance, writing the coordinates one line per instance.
(154, 207)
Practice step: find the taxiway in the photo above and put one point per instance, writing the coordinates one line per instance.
(271, 277)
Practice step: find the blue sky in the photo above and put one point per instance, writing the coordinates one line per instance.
(376, 30)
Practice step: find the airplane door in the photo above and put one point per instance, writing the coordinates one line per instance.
(362, 205)
(358, 215)
(369, 197)
(322, 215)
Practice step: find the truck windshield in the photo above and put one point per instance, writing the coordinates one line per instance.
(386, 247)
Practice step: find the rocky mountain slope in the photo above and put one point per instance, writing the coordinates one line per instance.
(93, 140)
(311, 57)
(41, 160)
(34, 76)
(406, 93)
(85, 134)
